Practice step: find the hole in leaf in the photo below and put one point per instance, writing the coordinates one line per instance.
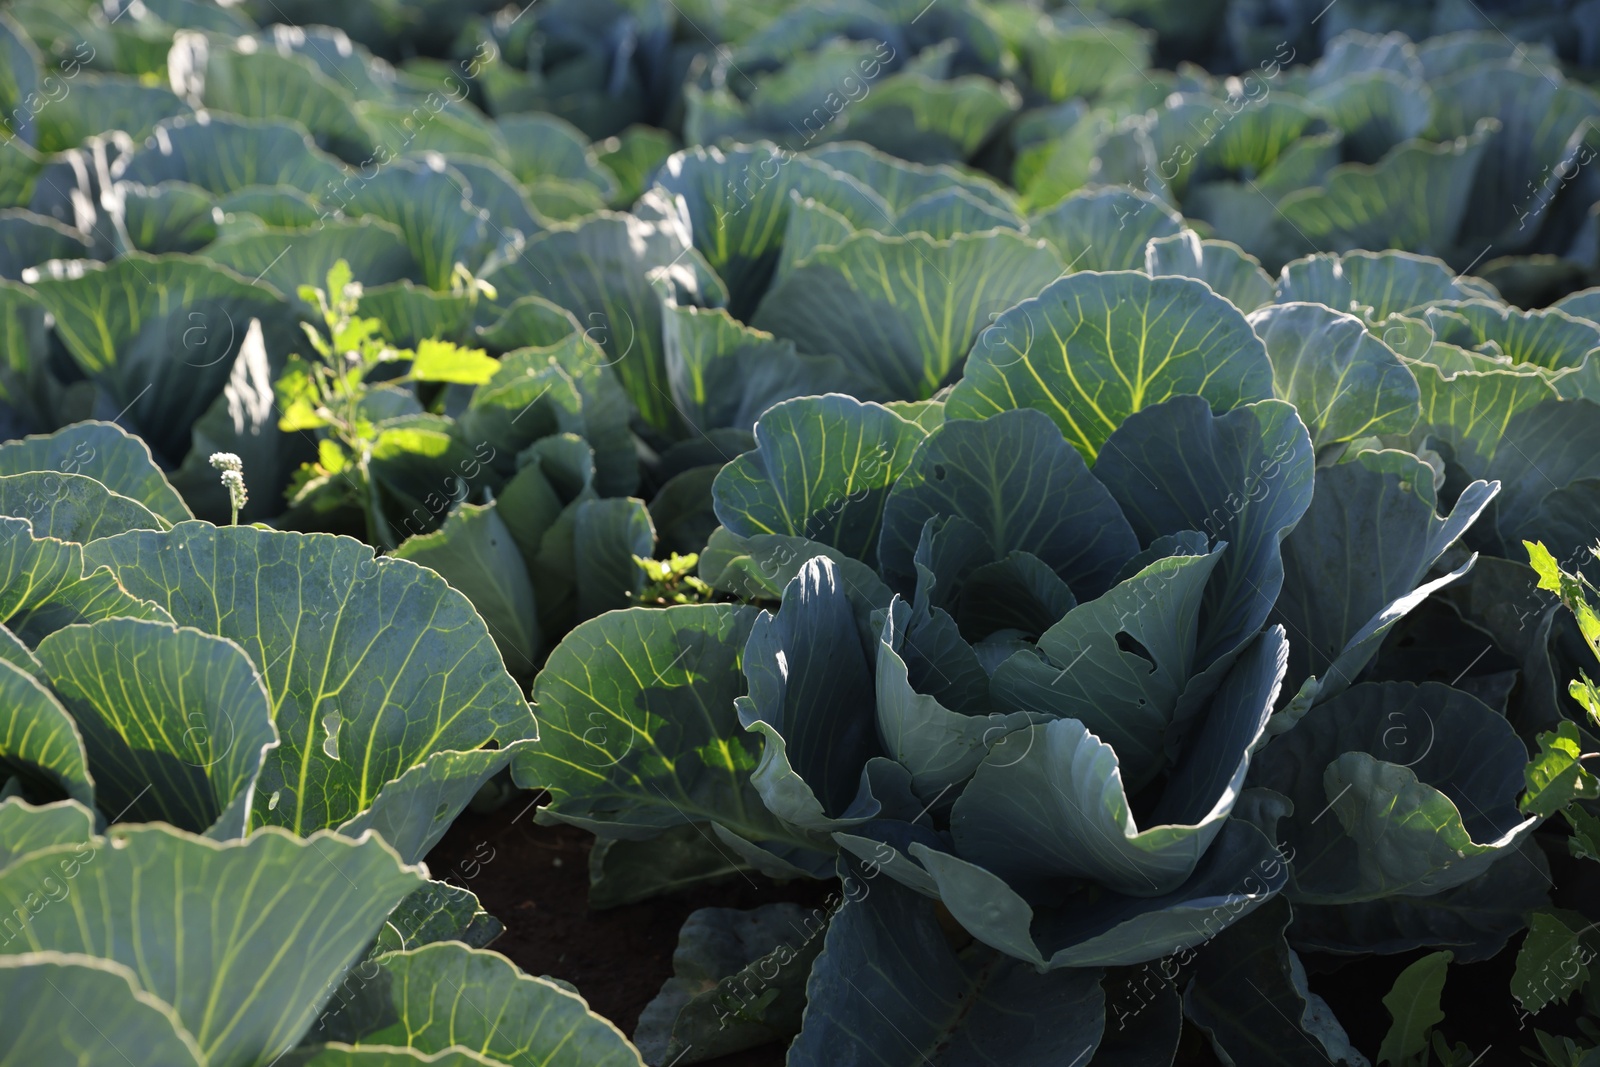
(938, 472)
(330, 745)
(1128, 643)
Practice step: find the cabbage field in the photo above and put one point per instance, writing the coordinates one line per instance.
(586, 533)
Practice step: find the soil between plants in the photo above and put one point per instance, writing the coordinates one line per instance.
(535, 880)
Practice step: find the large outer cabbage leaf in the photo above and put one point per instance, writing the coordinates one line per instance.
(446, 995)
(1359, 561)
(1397, 790)
(906, 309)
(372, 665)
(885, 960)
(176, 722)
(105, 452)
(822, 469)
(54, 991)
(1093, 349)
(168, 907)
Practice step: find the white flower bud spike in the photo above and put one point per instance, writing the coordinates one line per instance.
(232, 468)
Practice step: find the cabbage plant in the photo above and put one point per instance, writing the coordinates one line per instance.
(222, 679)
(225, 753)
(1022, 650)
